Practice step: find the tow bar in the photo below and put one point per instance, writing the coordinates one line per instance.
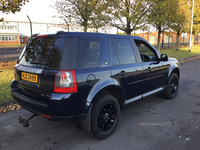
(25, 122)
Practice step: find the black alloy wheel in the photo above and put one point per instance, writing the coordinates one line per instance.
(105, 116)
(171, 90)
(173, 86)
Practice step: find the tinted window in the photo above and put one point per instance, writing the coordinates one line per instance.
(43, 53)
(88, 53)
(124, 50)
(114, 57)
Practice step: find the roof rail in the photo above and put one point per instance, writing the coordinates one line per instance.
(60, 31)
(34, 35)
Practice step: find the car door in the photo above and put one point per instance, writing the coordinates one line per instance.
(155, 70)
(125, 71)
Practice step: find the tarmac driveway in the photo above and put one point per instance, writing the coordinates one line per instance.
(151, 124)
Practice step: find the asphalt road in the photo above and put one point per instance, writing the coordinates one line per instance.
(151, 124)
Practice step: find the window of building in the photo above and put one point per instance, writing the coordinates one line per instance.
(8, 38)
(4, 27)
(16, 38)
(153, 40)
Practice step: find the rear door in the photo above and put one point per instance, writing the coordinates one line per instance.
(124, 67)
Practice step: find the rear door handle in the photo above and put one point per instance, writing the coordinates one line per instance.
(148, 69)
(122, 73)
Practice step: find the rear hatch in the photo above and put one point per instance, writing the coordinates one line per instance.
(38, 64)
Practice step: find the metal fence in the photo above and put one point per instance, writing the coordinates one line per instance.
(7, 54)
(2, 52)
(170, 41)
(183, 41)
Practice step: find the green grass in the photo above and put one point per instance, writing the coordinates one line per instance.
(183, 53)
(6, 77)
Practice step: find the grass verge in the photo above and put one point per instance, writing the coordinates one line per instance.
(6, 77)
(182, 53)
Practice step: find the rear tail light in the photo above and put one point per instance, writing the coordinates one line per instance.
(65, 82)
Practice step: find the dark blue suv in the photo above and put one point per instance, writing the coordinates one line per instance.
(88, 77)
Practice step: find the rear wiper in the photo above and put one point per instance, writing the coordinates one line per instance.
(34, 62)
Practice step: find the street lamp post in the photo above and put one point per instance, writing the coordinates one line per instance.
(67, 25)
(30, 24)
(191, 27)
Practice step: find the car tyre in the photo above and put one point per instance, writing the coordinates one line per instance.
(105, 116)
(172, 87)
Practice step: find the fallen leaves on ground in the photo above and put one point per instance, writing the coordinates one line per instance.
(7, 65)
(9, 108)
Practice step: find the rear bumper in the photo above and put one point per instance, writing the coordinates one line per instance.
(59, 107)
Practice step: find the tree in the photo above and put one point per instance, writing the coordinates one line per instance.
(179, 20)
(7, 6)
(2, 20)
(127, 15)
(196, 19)
(161, 11)
(79, 11)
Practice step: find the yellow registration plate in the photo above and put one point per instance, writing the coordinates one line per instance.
(29, 77)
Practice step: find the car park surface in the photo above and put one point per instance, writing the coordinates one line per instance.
(154, 123)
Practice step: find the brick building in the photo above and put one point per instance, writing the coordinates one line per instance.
(152, 37)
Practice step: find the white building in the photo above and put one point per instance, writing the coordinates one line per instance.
(9, 33)
(16, 32)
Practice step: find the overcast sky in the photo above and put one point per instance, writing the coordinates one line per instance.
(37, 10)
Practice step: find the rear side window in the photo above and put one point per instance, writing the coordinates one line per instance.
(88, 53)
(125, 51)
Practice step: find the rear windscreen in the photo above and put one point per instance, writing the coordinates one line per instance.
(62, 53)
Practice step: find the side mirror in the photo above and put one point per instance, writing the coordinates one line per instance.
(163, 57)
